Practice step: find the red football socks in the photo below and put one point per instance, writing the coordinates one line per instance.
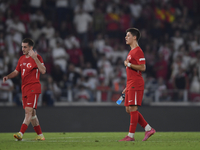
(133, 121)
(141, 120)
(38, 129)
(23, 128)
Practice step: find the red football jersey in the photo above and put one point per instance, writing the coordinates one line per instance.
(30, 75)
(135, 80)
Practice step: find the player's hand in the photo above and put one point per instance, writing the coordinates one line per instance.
(123, 92)
(4, 79)
(126, 62)
(32, 53)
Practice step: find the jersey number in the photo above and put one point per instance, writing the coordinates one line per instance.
(23, 72)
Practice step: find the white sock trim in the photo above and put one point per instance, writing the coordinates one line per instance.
(131, 135)
(147, 128)
(34, 117)
(21, 133)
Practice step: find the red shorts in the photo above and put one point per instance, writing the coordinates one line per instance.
(30, 100)
(133, 97)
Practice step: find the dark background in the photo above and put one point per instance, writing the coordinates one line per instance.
(101, 118)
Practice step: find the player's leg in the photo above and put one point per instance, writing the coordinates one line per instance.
(149, 131)
(143, 123)
(26, 122)
(132, 109)
(27, 119)
(36, 126)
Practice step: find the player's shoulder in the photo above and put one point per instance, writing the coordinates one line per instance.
(139, 50)
(21, 57)
(39, 56)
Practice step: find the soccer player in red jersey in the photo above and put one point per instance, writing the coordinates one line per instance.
(135, 64)
(30, 65)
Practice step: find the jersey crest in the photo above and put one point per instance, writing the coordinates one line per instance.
(29, 65)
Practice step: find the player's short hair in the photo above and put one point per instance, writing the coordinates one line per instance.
(134, 32)
(29, 41)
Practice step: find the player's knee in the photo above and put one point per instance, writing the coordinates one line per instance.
(34, 117)
(133, 108)
(29, 110)
(127, 110)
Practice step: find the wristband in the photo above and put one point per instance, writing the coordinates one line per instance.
(129, 64)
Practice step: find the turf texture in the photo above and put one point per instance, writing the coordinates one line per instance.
(102, 140)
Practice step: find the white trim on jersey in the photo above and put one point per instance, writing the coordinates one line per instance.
(36, 73)
(35, 101)
(135, 98)
(141, 59)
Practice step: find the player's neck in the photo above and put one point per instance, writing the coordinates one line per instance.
(27, 56)
(134, 45)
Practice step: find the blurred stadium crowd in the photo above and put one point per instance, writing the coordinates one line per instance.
(83, 47)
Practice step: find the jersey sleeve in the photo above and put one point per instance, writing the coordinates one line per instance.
(18, 66)
(40, 59)
(140, 57)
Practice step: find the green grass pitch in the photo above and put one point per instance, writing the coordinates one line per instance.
(102, 140)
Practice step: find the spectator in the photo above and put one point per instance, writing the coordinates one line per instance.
(76, 56)
(6, 90)
(98, 21)
(52, 86)
(82, 95)
(71, 42)
(61, 10)
(35, 5)
(42, 46)
(2, 42)
(38, 17)
(34, 31)
(181, 83)
(89, 71)
(99, 42)
(60, 57)
(15, 31)
(72, 75)
(160, 67)
(195, 82)
(106, 65)
(47, 96)
(82, 22)
(90, 55)
(112, 24)
(57, 74)
(53, 41)
(178, 40)
(64, 29)
(48, 30)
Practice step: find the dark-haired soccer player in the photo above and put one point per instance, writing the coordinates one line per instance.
(30, 65)
(135, 64)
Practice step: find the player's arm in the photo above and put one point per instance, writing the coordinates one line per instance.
(40, 66)
(11, 75)
(141, 67)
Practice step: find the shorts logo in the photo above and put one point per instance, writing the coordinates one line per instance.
(130, 101)
(29, 65)
(29, 103)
